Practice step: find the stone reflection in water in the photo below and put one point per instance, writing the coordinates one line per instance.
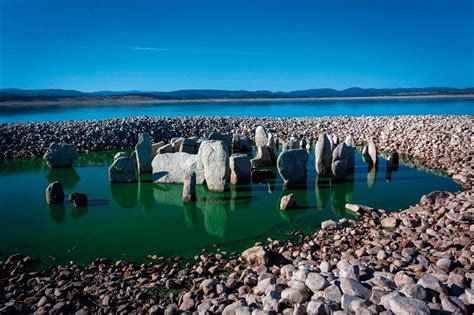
(145, 191)
(372, 175)
(124, 195)
(388, 174)
(215, 211)
(57, 213)
(322, 188)
(78, 212)
(341, 193)
(68, 176)
(190, 214)
(241, 197)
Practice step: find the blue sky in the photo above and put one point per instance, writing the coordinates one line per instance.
(255, 44)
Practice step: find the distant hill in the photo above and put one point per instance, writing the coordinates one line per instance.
(64, 95)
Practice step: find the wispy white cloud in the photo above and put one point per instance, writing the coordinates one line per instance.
(201, 52)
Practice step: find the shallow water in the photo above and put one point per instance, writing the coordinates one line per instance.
(313, 108)
(133, 220)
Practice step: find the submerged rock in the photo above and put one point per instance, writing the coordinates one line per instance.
(122, 170)
(171, 167)
(240, 169)
(60, 155)
(78, 200)
(288, 202)
(55, 193)
(215, 160)
(292, 166)
(323, 155)
(144, 155)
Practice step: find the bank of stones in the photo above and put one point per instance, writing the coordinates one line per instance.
(415, 261)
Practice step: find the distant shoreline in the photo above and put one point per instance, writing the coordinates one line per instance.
(105, 101)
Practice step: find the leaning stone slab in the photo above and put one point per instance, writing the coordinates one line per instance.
(215, 160)
(123, 170)
(292, 166)
(60, 155)
(143, 149)
(172, 167)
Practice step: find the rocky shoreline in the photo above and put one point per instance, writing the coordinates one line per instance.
(416, 261)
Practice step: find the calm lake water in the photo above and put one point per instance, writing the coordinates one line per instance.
(133, 220)
(314, 108)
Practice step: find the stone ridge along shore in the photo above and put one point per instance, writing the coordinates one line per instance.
(418, 260)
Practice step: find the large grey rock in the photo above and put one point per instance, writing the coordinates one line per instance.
(263, 157)
(372, 152)
(123, 170)
(189, 187)
(240, 169)
(428, 281)
(144, 156)
(188, 145)
(171, 167)
(292, 166)
(215, 160)
(226, 139)
(60, 155)
(54, 193)
(261, 138)
(323, 154)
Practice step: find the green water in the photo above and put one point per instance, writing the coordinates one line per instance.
(134, 220)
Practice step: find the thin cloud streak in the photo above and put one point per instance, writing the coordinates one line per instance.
(201, 52)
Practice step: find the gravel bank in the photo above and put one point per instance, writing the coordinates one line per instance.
(416, 261)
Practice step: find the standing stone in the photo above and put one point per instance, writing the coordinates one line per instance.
(351, 150)
(323, 154)
(372, 152)
(167, 148)
(60, 155)
(340, 160)
(263, 158)
(271, 144)
(393, 161)
(78, 199)
(188, 145)
(143, 149)
(288, 202)
(241, 143)
(226, 139)
(291, 144)
(215, 160)
(189, 187)
(176, 143)
(122, 170)
(261, 138)
(240, 169)
(55, 193)
(292, 166)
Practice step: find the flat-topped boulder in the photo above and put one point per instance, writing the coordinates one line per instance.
(292, 166)
(240, 169)
(144, 153)
(172, 167)
(60, 155)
